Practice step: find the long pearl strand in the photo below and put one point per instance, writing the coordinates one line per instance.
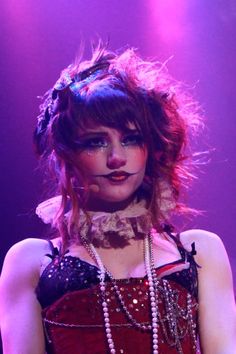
(104, 302)
(148, 259)
(152, 291)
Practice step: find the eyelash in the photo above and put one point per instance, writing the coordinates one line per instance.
(100, 142)
(133, 139)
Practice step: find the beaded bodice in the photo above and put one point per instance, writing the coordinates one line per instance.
(68, 291)
(67, 273)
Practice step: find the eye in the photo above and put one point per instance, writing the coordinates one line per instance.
(132, 140)
(92, 143)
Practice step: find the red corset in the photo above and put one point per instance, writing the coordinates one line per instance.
(74, 324)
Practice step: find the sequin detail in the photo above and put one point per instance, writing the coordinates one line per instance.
(70, 286)
(68, 273)
(180, 306)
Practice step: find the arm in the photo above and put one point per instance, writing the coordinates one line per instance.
(217, 311)
(20, 312)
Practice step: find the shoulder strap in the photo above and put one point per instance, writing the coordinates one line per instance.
(54, 250)
(176, 238)
(186, 255)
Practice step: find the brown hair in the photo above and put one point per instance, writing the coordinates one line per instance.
(115, 90)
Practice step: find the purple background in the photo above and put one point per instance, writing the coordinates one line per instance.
(39, 38)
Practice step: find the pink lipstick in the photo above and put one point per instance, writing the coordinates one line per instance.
(118, 176)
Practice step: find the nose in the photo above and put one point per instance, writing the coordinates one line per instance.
(116, 157)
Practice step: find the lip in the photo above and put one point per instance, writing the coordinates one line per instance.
(117, 176)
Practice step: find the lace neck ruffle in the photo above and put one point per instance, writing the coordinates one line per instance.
(100, 228)
(117, 228)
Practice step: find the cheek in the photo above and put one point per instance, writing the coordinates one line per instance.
(139, 159)
(87, 163)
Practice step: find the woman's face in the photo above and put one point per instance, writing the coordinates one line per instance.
(113, 164)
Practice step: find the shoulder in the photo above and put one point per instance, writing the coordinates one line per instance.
(202, 238)
(24, 259)
(20, 311)
(215, 287)
(209, 246)
(27, 249)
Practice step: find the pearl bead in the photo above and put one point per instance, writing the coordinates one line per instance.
(152, 284)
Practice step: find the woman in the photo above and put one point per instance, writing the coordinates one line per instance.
(116, 278)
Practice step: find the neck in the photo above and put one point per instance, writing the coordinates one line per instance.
(115, 229)
(96, 205)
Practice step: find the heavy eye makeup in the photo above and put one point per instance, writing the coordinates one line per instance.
(133, 139)
(97, 141)
(92, 142)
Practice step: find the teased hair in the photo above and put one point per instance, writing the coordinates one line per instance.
(115, 90)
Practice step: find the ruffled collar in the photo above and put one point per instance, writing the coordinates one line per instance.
(117, 228)
(102, 228)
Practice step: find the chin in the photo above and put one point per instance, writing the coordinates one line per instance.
(117, 195)
(110, 202)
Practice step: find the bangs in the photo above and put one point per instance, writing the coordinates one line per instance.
(109, 107)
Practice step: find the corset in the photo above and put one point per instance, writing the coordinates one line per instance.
(69, 293)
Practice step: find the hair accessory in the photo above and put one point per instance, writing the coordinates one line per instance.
(64, 81)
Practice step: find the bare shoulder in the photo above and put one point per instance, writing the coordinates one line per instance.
(215, 292)
(201, 237)
(20, 311)
(209, 246)
(27, 249)
(24, 259)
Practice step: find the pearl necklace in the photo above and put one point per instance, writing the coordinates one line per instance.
(152, 283)
(102, 275)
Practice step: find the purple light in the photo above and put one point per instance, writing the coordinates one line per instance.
(167, 19)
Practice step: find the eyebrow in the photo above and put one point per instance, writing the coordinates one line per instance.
(91, 134)
(104, 133)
